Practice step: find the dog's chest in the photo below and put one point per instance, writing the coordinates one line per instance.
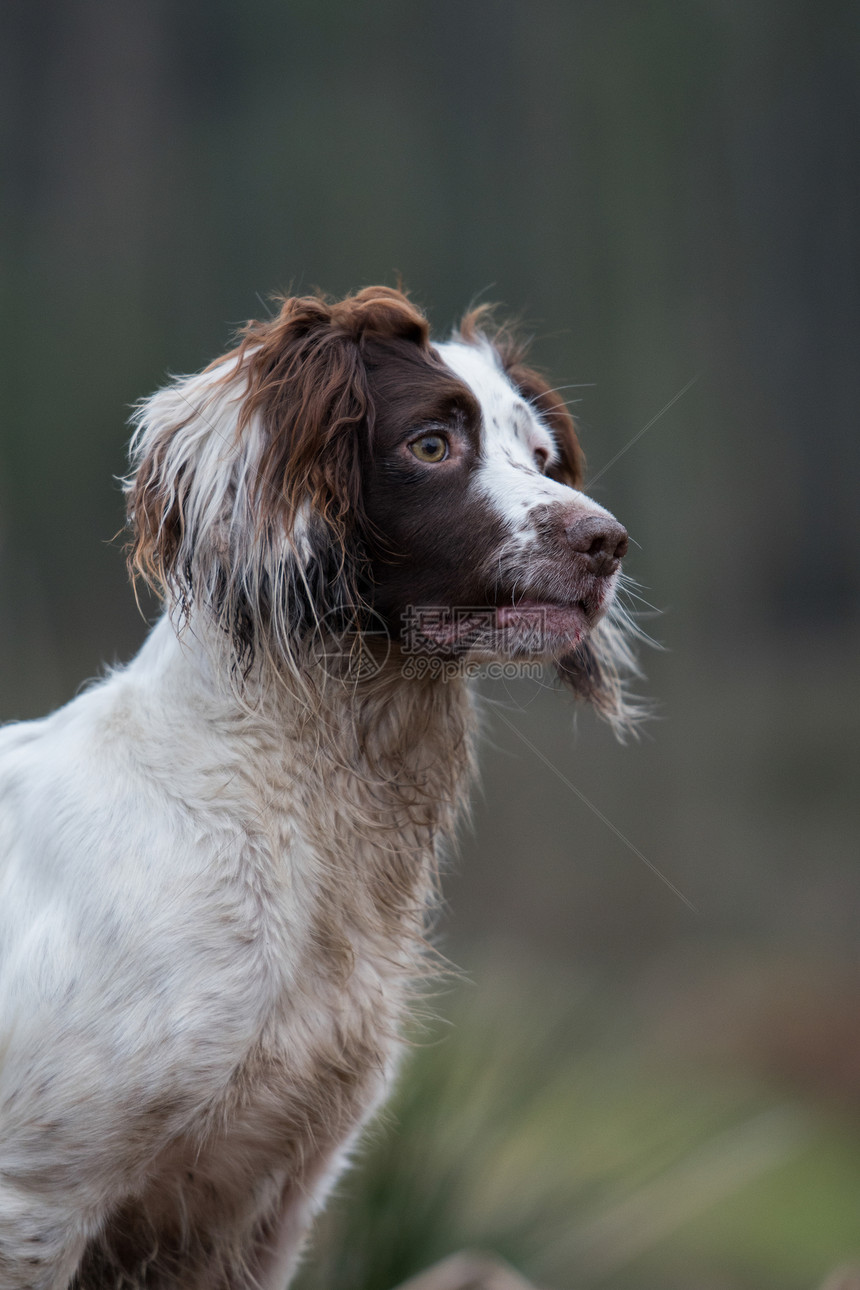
(334, 882)
(335, 945)
(311, 1079)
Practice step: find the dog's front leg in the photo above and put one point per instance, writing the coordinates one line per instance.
(80, 1137)
(41, 1242)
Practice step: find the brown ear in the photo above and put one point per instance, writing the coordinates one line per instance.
(308, 384)
(570, 468)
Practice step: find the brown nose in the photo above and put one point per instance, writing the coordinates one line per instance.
(600, 540)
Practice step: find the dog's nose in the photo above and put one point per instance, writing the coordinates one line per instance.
(600, 540)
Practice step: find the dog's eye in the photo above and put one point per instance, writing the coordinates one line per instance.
(430, 448)
(541, 459)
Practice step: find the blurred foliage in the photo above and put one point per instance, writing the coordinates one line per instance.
(544, 1123)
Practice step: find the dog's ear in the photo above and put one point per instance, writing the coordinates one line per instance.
(184, 453)
(511, 351)
(308, 385)
(246, 496)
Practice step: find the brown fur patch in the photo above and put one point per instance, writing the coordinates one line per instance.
(307, 377)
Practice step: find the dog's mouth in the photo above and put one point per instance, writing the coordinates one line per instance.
(551, 621)
(529, 627)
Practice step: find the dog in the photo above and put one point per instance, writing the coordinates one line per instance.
(217, 864)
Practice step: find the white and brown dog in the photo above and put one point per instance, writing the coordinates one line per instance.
(217, 864)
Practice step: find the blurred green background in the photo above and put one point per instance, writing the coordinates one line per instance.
(661, 191)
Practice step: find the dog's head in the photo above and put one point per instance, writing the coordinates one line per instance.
(338, 468)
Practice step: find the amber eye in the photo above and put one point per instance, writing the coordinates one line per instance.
(430, 448)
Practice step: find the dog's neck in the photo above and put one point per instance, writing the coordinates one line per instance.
(369, 776)
(386, 720)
